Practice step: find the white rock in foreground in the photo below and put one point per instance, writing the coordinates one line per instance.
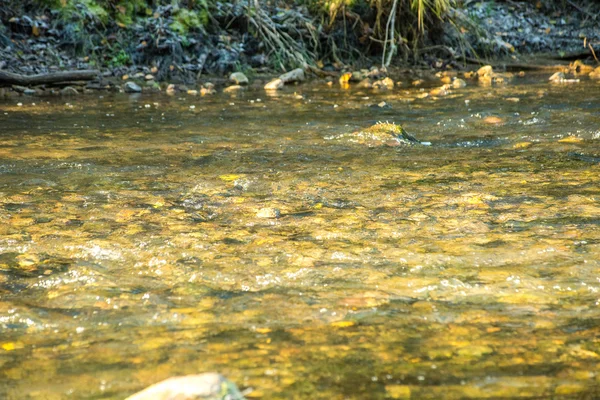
(207, 386)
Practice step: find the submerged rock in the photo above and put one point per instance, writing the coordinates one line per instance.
(207, 386)
(382, 134)
(386, 83)
(595, 74)
(268, 212)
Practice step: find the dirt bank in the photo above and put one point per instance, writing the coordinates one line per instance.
(161, 43)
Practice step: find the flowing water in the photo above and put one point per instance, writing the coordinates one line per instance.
(134, 244)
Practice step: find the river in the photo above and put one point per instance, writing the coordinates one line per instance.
(134, 243)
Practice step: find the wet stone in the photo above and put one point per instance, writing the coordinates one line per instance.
(132, 87)
(238, 78)
(268, 213)
(69, 91)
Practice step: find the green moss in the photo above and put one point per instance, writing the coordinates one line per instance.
(186, 20)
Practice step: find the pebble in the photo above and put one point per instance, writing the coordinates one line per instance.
(458, 83)
(275, 84)
(492, 120)
(441, 91)
(233, 89)
(69, 91)
(238, 78)
(486, 70)
(385, 83)
(131, 87)
(268, 212)
(295, 75)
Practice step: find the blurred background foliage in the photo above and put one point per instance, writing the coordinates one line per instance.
(279, 34)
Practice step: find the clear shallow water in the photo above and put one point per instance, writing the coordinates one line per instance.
(131, 249)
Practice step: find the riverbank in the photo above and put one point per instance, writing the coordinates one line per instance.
(189, 48)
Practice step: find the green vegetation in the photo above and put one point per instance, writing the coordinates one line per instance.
(292, 33)
(221, 36)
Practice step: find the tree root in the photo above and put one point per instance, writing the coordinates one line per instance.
(291, 51)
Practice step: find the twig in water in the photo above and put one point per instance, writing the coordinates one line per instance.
(593, 52)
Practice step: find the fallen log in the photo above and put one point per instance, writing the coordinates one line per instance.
(513, 66)
(10, 78)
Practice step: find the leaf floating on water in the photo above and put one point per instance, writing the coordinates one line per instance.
(398, 391)
(492, 120)
(10, 346)
(522, 145)
(343, 324)
(229, 177)
(571, 139)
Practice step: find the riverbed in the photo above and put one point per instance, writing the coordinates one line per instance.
(136, 243)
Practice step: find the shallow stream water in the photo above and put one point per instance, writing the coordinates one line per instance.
(133, 246)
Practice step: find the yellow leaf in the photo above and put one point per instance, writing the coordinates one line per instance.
(398, 391)
(571, 139)
(229, 177)
(263, 330)
(343, 324)
(522, 145)
(10, 346)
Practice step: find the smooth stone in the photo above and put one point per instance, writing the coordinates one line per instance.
(385, 83)
(207, 386)
(486, 70)
(207, 91)
(295, 75)
(268, 212)
(131, 87)
(557, 77)
(20, 89)
(364, 84)
(275, 84)
(69, 91)
(233, 89)
(458, 83)
(238, 78)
